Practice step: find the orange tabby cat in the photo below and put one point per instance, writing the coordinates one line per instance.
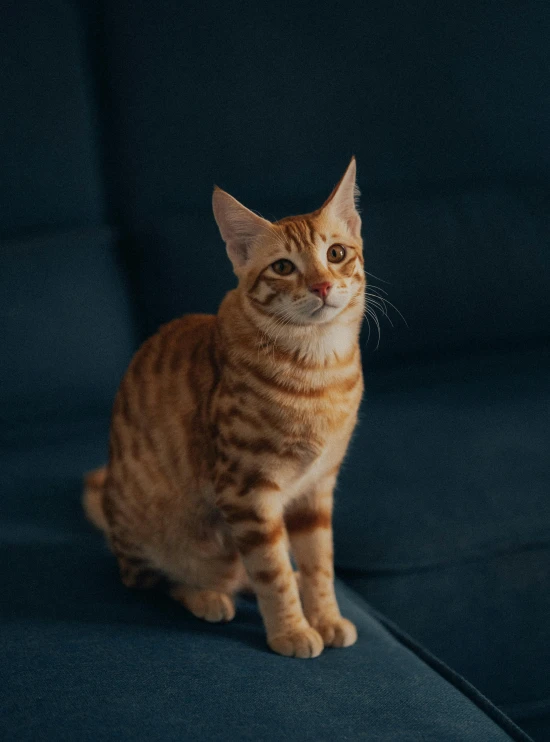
(228, 431)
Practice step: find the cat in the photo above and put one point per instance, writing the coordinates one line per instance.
(228, 430)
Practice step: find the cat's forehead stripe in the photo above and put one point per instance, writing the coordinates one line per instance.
(295, 229)
(309, 225)
(300, 232)
(291, 234)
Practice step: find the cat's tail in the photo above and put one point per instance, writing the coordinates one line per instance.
(92, 501)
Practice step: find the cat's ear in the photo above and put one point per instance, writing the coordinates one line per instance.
(342, 202)
(239, 227)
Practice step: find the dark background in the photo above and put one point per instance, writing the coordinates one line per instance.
(116, 119)
(127, 113)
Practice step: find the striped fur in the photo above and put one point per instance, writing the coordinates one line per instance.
(228, 432)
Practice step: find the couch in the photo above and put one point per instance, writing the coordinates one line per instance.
(117, 119)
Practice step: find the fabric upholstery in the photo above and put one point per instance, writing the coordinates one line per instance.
(450, 458)
(488, 244)
(85, 658)
(117, 119)
(444, 110)
(178, 266)
(273, 98)
(485, 617)
(67, 325)
(49, 148)
(442, 515)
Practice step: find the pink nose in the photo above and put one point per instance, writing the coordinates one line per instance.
(321, 289)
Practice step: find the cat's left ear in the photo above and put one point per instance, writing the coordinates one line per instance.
(239, 227)
(342, 202)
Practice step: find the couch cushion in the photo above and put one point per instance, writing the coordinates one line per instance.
(486, 617)
(50, 168)
(450, 459)
(83, 657)
(442, 515)
(67, 325)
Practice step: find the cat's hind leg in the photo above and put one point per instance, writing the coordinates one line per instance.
(136, 572)
(209, 605)
(210, 591)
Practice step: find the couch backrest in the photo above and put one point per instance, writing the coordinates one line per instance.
(118, 117)
(66, 325)
(446, 106)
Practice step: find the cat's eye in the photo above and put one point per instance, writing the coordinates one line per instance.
(283, 267)
(336, 253)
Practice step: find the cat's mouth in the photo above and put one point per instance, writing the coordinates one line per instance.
(326, 308)
(326, 304)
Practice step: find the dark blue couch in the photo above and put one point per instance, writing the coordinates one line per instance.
(116, 120)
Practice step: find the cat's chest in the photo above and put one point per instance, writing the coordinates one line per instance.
(313, 438)
(331, 435)
(293, 423)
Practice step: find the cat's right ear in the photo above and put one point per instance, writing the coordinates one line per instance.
(239, 227)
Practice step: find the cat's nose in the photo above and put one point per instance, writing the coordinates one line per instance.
(321, 289)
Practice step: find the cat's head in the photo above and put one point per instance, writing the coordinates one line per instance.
(305, 270)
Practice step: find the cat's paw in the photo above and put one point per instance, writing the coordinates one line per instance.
(303, 643)
(335, 631)
(206, 604)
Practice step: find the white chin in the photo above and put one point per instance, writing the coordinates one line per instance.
(323, 314)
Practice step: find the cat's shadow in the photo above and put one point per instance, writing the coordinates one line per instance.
(68, 582)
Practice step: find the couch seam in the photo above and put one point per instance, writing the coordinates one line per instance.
(447, 673)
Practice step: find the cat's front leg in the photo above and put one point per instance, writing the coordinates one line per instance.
(309, 524)
(259, 532)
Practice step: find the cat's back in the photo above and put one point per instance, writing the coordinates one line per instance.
(173, 347)
(168, 376)
(158, 446)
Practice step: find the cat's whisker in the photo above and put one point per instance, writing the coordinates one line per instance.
(376, 300)
(377, 278)
(372, 314)
(368, 326)
(382, 309)
(379, 303)
(376, 321)
(385, 300)
(378, 288)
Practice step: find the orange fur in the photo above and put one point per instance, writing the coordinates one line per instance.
(93, 497)
(228, 431)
